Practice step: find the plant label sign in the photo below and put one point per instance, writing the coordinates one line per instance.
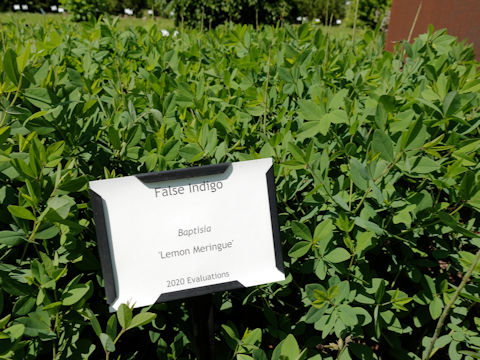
(187, 232)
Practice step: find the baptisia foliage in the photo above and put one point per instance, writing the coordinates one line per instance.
(376, 160)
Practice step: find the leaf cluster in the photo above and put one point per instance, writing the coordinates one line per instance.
(377, 173)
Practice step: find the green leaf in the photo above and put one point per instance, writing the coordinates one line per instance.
(382, 144)
(61, 205)
(415, 136)
(114, 137)
(473, 354)
(15, 331)
(347, 315)
(403, 217)
(48, 233)
(232, 337)
(302, 231)
(10, 66)
(39, 114)
(314, 314)
(23, 305)
(107, 342)
(363, 241)
(344, 223)
(448, 220)
(12, 238)
(299, 249)
(310, 110)
(297, 153)
(336, 117)
(39, 273)
(142, 318)
(467, 259)
(74, 294)
(259, 354)
(313, 112)
(191, 152)
(94, 322)
(37, 324)
(124, 316)
(39, 97)
(244, 357)
(380, 290)
(425, 165)
(337, 255)
(324, 230)
(287, 349)
(311, 129)
(253, 337)
(21, 212)
(435, 308)
(321, 269)
(450, 104)
(368, 225)
(112, 326)
(388, 102)
(359, 174)
(23, 168)
(4, 321)
(134, 136)
(381, 116)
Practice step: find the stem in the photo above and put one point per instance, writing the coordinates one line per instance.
(446, 310)
(122, 87)
(118, 336)
(355, 26)
(385, 172)
(350, 195)
(13, 100)
(107, 353)
(415, 21)
(36, 225)
(326, 13)
(19, 86)
(327, 44)
(266, 92)
(3, 37)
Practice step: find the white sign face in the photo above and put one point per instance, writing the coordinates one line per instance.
(187, 232)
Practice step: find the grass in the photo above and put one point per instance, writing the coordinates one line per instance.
(125, 22)
(336, 30)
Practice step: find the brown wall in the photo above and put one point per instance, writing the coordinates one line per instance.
(460, 17)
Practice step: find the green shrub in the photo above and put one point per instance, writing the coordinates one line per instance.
(376, 159)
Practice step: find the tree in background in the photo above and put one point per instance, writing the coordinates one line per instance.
(33, 5)
(326, 10)
(161, 7)
(118, 6)
(210, 13)
(371, 13)
(83, 10)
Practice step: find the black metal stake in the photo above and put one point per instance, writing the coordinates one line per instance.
(201, 309)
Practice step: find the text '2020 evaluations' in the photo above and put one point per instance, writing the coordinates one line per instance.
(187, 232)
